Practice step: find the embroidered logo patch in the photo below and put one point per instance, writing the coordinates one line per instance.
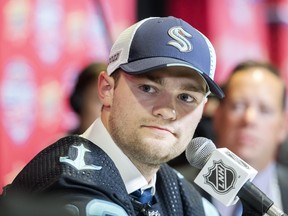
(114, 57)
(180, 39)
(154, 213)
(79, 162)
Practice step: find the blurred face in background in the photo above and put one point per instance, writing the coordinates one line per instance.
(91, 105)
(251, 119)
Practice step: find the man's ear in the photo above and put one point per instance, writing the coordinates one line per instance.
(283, 128)
(105, 89)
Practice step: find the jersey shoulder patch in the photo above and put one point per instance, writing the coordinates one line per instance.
(97, 207)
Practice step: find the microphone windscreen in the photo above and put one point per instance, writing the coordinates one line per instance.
(198, 151)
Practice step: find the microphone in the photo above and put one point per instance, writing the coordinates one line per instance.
(227, 177)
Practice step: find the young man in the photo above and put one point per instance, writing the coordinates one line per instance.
(158, 78)
(250, 121)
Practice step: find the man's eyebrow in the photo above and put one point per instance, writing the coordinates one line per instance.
(155, 79)
(185, 87)
(194, 88)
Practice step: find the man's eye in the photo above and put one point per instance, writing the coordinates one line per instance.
(187, 98)
(238, 106)
(147, 88)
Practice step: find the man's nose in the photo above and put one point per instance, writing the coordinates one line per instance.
(250, 114)
(165, 108)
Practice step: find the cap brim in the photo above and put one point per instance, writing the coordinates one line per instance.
(148, 64)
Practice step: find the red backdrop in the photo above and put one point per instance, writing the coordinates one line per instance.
(43, 45)
(278, 20)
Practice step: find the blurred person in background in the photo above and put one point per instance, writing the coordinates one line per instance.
(250, 121)
(84, 99)
(283, 153)
(283, 150)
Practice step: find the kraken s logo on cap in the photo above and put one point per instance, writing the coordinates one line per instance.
(180, 41)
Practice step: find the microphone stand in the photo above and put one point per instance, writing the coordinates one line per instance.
(255, 202)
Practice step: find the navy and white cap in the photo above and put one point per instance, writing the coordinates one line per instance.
(159, 42)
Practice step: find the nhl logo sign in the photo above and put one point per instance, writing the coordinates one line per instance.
(220, 177)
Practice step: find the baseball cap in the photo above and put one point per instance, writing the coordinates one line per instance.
(159, 42)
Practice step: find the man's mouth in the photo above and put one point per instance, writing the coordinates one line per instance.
(164, 129)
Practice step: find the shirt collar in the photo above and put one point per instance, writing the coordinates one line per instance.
(265, 177)
(133, 179)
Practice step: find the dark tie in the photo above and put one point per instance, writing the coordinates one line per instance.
(144, 197)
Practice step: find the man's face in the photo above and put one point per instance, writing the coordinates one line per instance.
(250, 121)
(153, 116)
